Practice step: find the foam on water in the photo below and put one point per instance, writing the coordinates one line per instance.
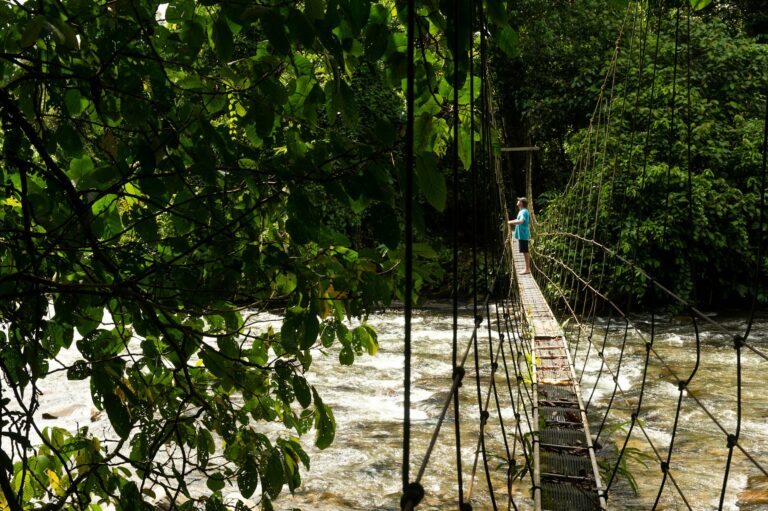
(367, 399)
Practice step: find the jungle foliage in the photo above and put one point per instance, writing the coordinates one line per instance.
(687, 96)
(168, 170)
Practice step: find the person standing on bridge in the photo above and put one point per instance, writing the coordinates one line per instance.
(522, 231)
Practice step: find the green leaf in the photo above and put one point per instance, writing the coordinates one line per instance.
(325, 424)
(205, 446)
(274, 477)
(507, 41)
(214, 503)
(223, 42)
(357, 13)
(423, 133)
(303, 222)
(347, 104)
(117, 413)
(328, 334)
(69, 140)
(32, 31)
(79, 168)
(302, 391)
(215, 363)
(80, 370)
(363, 339)
(274, 91)
(273, 25)
(215, 482)
(299, 331)
(179, 11)
(465, 146)
(376, 41)
(346, 356)
(248, 477)
(698, 5)
(63, 35)
(75, 102)
(495, 11)
(431, 181)
(301, 29)
(314, 9)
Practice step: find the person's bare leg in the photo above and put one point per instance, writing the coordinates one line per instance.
(527, 258)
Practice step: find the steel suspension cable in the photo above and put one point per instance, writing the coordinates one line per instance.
(672, 131)
(412, 493)
(455, 252)
(740, 340)
(475, 229)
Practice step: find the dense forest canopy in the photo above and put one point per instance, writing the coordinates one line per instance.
(169, 169)
(688, 93)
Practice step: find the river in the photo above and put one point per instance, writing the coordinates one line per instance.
(362, 469)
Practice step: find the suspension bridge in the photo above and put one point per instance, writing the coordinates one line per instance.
(552, 392)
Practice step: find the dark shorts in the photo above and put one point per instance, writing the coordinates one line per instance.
(523, 246)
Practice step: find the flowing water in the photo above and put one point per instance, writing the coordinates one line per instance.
(362, 469)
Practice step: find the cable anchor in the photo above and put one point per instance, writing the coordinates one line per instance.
(412, 494)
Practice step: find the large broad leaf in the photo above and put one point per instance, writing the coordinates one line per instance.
(356, 12)
(495, 10)
(465, 145)
(346, 356)
(347, 104)
(248, 477)
(325, 424)
(363, 338)
(300, 28)
(299, 331)
(431, 181)
(274, 27)
(274, 476)
(302, 391)
(698, 5)
(215, 363)
(79, 168)
(118, 414)
(32, 31)
(422, 133)
(376, 41)
(69, 140)
(314, 9)
(75, 102)
(507, 41)
(216, 482)
(223, 42)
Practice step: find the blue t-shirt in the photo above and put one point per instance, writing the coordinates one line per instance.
(521, 230)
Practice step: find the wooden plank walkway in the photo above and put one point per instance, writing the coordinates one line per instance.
(566, 475)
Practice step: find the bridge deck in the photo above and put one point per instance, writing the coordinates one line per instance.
(566, 475)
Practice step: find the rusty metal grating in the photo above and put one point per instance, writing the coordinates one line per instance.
(564, 475)
(560, 393)
(560, 416)
(563, 437)
(566, 465)
(568, 497)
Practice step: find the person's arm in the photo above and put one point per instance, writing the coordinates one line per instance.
(515, 222)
